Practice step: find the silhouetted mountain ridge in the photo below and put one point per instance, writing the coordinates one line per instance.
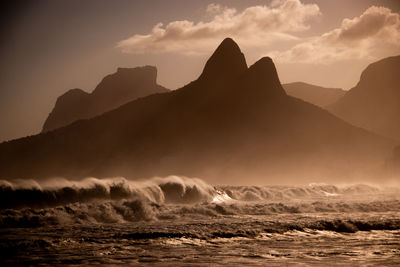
(114, 90)
(317, 95)
(374, 103)
(262, 76)
(228, 129)
(226, 62)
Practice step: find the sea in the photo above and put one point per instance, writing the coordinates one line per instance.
(180, 221)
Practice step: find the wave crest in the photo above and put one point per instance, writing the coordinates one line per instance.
(55, 192)
(28, 203)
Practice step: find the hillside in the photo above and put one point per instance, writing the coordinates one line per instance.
(317, 95)
(374, 103)
(114, 90)
(234, 124)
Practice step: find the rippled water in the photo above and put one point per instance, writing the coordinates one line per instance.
(180, 221)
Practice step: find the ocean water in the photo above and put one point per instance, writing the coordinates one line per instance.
(177, 221)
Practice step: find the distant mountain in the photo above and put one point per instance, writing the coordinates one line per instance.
(234, 124)
(113, 91)
(374, 103)
(317, 95)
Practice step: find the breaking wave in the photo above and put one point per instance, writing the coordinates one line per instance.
(28, 203)
(172, 189)
(259, 193)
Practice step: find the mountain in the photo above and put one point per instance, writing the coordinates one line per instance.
(234, 124)
(374, 103)
(317, 95)
(113, 91)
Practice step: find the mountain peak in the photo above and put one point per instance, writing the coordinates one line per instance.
(227, 61)
(149, 69)
(265, 65)
(374, 103)
(262, 76)
(381, 73)
(229, 43)
(116, 89)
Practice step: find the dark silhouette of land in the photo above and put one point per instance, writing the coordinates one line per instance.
(113, 91)
(374, 103)
(233, 124)
(317, 95)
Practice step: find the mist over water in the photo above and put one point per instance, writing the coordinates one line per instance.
(117, 220)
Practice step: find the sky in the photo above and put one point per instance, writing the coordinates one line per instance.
(48, 47)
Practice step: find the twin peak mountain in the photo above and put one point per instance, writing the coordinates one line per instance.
(232, 122)
(129, 84)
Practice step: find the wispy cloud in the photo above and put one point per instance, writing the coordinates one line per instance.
(374, 34)
(255, 26)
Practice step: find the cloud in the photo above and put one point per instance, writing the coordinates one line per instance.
(255, 26)
(374, 34)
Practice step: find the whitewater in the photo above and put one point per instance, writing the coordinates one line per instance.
(186, 221)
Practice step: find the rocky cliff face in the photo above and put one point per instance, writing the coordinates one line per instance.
(113, 91)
